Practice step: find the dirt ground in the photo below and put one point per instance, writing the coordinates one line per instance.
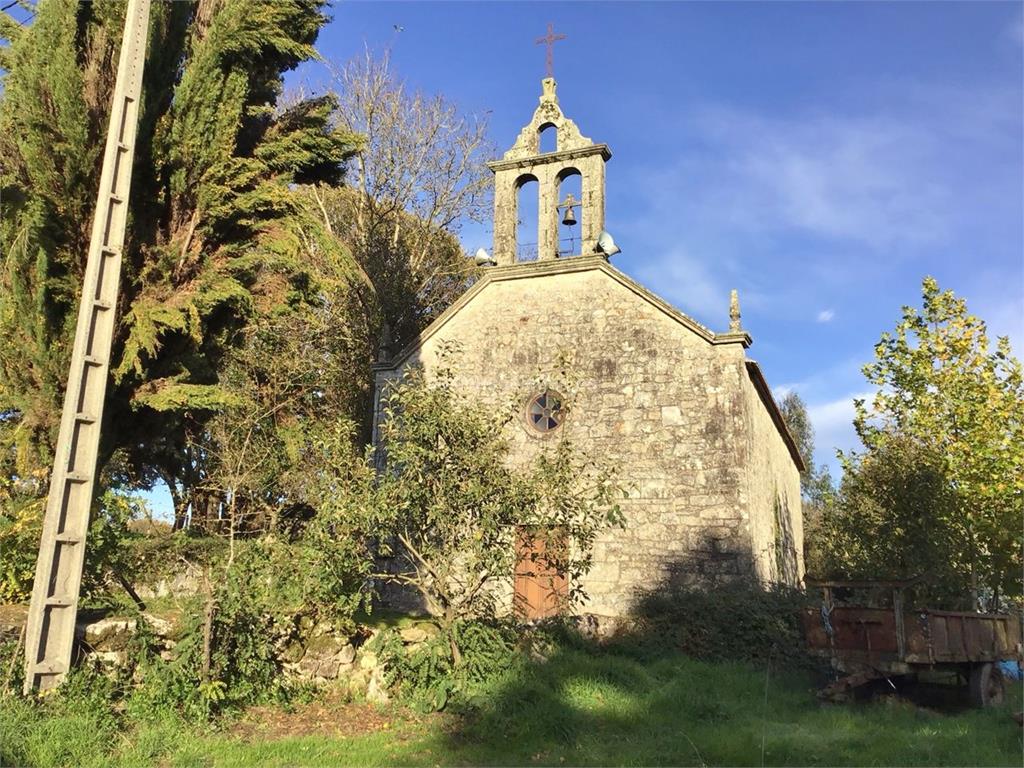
(330, 715)
(13, 615)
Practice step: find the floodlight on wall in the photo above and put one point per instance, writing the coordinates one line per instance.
(483, 259)
(606, 244)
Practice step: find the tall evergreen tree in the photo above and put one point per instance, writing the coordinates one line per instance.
(216, 235)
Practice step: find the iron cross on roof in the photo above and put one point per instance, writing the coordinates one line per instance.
(550, 39)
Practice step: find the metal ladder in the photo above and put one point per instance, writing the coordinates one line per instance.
(50, 632)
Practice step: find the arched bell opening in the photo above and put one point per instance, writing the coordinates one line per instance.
(527, 199)
(570, 212)
(547, 138)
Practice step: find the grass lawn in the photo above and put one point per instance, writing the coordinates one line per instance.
(581, 707)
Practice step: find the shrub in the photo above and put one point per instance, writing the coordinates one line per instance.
(21, 525)
(426, 675)
(451, 505)
(737, 621)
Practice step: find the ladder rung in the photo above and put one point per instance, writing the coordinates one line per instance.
(85, 418)
(48, 668)
(122, 146)
(110, 250)
(78, 477)
(68, 538)
(92, 360)
(116, 198)
(101, 304)
(59, 601)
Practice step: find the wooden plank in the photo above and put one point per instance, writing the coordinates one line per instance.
(1001, 643)
(969, 614)
(916, 634)
(979, 637)
(940, 636)
(955, 649)
(862, 584)
(50, 626)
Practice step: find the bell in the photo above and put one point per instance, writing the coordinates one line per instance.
(569, 219)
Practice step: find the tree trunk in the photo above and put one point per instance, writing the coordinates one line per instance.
(208, 628)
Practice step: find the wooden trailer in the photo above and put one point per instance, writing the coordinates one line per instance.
(869, 643)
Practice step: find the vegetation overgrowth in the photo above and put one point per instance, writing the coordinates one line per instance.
(578, 704)
(937, 489)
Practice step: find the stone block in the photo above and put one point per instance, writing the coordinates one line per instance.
(110, 634)
(376, 690)
(328, 668)
(368, 660)
(347, 655)
(411, 635)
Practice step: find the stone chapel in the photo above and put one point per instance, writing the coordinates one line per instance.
(679, 409)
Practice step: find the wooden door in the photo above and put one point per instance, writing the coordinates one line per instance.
(540, 588)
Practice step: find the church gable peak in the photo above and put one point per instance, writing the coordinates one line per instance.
(548, 114)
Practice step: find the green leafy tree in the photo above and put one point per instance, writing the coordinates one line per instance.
(942, 469)
(217, 235)
(897, 517)
(816, 486)
(288, 384)
(794, 413)
(451, 508)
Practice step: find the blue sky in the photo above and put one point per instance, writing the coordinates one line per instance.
(822, 158)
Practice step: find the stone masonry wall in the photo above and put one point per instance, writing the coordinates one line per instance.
(662, 403)
(772, 494)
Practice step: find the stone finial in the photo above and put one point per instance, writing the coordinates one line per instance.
(548, 90)
(734, 311)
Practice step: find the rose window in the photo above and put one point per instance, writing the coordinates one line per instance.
(545, 412)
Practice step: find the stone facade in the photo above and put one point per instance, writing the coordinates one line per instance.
(712, 472)
(680, 410)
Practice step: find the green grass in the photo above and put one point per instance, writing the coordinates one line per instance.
(581, 707)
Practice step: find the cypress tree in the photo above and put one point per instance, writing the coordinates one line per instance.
(217, 236)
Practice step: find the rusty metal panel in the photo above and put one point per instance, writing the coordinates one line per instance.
(1002, 641)
(940, 637)
(918, 637)
(954, 648)
(870, 637)
(814, 630)
(869, 629)
(979, 637)
(1012, 628)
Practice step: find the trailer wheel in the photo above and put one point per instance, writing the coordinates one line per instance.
(986, 686)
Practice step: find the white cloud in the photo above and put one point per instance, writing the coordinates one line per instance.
(826, 315)
(834, 413)
(892, 182)
(863, 178)
(833, 427)
(1014, 31)
(688, 283)
(832, 419)
(780, 392)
